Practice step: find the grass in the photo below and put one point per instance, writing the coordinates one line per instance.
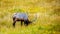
(46, 23)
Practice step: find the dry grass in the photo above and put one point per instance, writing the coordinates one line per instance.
(46, 23)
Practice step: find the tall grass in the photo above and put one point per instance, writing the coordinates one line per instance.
(47, 22)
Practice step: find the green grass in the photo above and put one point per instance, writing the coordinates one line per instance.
(42, 25)
(48, 21)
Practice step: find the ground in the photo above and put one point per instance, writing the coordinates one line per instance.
(47, 22)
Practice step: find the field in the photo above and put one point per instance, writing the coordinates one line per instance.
(47, 11)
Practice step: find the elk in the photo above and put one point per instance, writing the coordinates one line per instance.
(22, 17)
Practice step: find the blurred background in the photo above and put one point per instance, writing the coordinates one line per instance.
(47, 22)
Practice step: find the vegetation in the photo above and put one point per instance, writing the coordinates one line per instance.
(48, 21)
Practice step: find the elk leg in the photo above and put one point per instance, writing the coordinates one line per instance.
(14, 21)
(21, 23)
(25, 22)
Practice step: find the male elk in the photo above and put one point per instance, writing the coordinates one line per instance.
(23, 17)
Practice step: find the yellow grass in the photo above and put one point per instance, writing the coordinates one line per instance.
(46, 22)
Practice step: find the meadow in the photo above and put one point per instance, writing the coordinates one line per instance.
(47, 22)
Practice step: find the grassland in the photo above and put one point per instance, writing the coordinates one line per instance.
(48, 21)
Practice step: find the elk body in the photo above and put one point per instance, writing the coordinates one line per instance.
(22, 17)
